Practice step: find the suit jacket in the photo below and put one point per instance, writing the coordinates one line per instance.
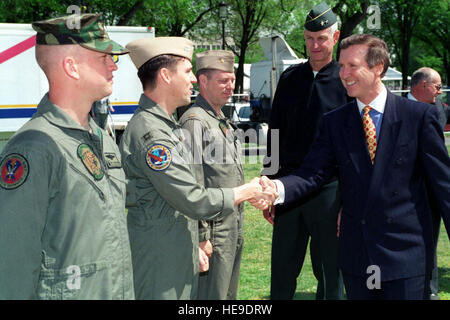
(299, 104)
(444, 112)
(442, 109)
(385, 219)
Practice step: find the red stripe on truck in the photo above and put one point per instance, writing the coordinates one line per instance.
(17, 49)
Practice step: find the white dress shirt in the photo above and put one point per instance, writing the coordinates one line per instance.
(378, 104)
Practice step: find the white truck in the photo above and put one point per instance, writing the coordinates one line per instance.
(264, 76)
(22, 82)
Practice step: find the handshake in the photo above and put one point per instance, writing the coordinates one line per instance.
(260, 193)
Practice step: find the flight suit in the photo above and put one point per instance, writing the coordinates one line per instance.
(164, 203)
(63, 231)
(220, 165)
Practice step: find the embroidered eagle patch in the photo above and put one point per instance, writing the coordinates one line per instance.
(158, 157)
(14, 171)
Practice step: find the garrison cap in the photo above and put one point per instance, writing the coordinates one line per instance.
(86, 30)
(320, 17)
(142, 50)
(215, 59)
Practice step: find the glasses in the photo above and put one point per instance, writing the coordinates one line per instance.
(436, 86)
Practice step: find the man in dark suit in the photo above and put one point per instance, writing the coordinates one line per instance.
(304, 93)
(383, 148)
(426, 85)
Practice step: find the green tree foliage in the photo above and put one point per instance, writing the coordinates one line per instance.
(399, 21)
(415, 30)
(27, 11)
(247, 21)
(434, 38)
(174, 17)
(244, 25)
(351, 13)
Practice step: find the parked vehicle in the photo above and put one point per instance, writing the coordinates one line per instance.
(23, 83)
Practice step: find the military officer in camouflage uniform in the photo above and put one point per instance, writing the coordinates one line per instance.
(63, 231)
(164, 200)
(219, 167)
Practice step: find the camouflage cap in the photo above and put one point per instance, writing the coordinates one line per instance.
(86, 29)
(320, 17)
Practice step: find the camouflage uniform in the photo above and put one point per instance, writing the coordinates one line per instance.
(63, 228)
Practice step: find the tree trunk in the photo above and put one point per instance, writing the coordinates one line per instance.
(349, 24)
(123, 21)
(239, 86)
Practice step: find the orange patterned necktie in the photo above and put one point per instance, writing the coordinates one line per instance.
(371, 133)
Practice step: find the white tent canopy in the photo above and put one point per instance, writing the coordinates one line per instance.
(393, 74)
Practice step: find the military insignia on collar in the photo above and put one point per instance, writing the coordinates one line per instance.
(90, 161)
(14, 171)
(158, 157)
(224, 127)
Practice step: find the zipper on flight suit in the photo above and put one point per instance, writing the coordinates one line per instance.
(100, 192)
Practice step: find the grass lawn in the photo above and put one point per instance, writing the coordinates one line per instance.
(255, 269)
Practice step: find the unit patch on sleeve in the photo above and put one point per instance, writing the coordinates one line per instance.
(14, 171)
(158, 157)
(90, 161)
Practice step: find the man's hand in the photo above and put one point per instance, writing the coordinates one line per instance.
(255, 194)
(207, 247)
(267, 196)
(203, 261)
(267, 184)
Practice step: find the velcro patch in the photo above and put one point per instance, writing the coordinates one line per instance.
(146, 136)
(14, 171)
(158, 157)
(112, 160)
(90, 161)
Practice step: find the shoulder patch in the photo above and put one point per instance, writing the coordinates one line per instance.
(90, 161)
(158, 157)
(14, 171)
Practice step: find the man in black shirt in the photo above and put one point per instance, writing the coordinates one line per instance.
(305, 92)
